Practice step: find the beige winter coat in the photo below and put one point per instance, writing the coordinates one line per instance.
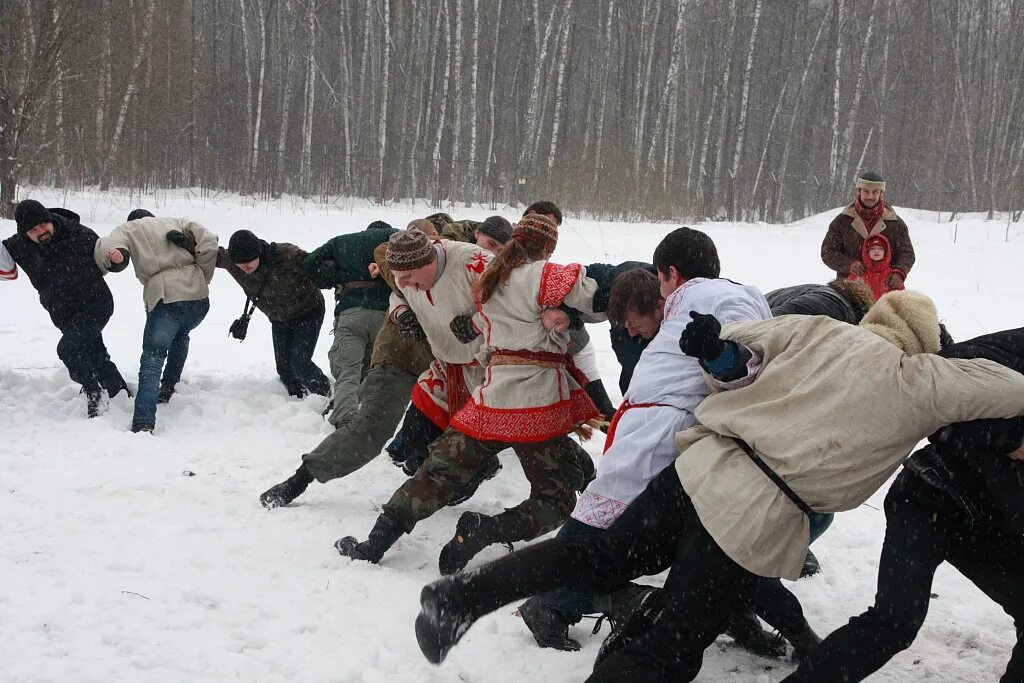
(167, 272)
(834, 411)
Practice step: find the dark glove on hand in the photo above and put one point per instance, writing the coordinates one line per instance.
(185, 240)
(464, 329)
(409, 327)
(701, 339)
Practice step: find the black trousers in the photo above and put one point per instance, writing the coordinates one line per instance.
(294, 342)
(658, 530)
(924, 528)
(83, 352)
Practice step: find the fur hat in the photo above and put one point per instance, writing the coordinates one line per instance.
(497, 228)
(857, 292)
(869, 180)
(536, 229)
(29, 213)
(244, 246)
(409, 250)
(907, 319)
(136, 214)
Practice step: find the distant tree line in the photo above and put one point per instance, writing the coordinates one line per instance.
(739, 109)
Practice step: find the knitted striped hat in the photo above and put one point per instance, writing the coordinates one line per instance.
(537, 230)
(409, 250)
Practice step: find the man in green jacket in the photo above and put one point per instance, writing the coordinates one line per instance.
(359, 312)
(272, 278)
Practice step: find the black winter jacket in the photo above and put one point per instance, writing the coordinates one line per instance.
(839, 300)
(968, 460)
(64, 271)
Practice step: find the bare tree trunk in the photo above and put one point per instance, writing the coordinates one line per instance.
(833, 154)
(309, 99)
(603, 106)
(260, 82)
(490, 92)
(243, 24)
(436, 155)
(968, 128)
(382, 126)
(473, 94)
(741, 127)
(287, 86)
(647, 51)
(429, 86)
(562, 59)
(666, 101)
(141, 51)
(851, 119)
(346, 85)
(457, 97)
(530, 123)
(884, 89)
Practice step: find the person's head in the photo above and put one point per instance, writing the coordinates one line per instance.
(425, 226)
(545, 208)
(635, 303)
(378, 225)
(870, 188)
(533, 239)
(876, 247)
(493, 234)
(908, 320)
(439, 220)
(34, 221)
(412, 258)
(136, 214)
(246, 250)
(682, 255)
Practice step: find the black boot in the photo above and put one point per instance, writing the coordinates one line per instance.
(745, 628)
(547, 625)
(288, 490)
(165, 393)
(123, 386)
(811, 565)
(475, 531)
(640, 620)
(382, 536)
(443, 618)
(93, 401)
(803, 641)
(619, 605)
(487, 471)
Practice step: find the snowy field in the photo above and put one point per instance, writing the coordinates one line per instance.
(119, 565)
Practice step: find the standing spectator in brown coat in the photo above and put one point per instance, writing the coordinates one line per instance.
(868, 215)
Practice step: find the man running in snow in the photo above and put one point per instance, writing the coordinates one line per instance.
(56, 252)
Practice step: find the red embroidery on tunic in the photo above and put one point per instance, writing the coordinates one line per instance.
(525, 425)
(433, 382)
(556, 282)
(477, 263)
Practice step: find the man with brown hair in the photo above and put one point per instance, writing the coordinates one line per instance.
(867, 216)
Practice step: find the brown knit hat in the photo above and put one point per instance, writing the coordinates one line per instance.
(537, 230)
(409, 250)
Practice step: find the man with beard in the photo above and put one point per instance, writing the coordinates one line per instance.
(56, 252)
(867, 216)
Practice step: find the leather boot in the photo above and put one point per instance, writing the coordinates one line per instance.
(475, 531)
(745, 628)
(288, 490)
(547, 625)
(382, 536)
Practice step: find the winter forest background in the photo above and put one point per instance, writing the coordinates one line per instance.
(739, 109)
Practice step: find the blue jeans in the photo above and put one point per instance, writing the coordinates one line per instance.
(164, 339)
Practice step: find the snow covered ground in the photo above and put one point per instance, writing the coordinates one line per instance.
(148, 557)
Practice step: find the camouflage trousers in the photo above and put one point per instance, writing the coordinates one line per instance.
(551, 468)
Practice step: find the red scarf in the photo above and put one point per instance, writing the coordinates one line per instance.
(870, 215)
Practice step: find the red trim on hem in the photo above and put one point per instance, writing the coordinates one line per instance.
(429, 407)
(525, 425)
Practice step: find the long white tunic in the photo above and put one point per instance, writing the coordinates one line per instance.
(666, 388)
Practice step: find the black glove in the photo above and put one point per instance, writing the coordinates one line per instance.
(409, 327)
(184, 239)
(700, 338)
(239, 328)
(464, 329)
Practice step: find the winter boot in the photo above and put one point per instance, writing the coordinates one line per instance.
(745, 628)
(547, 625)
(811, 565)
(487, 471)
(288, 490)
(619, 605)
(443, 618)
(475, 531)
(639, 621)
(165, 393)
(123, 386)
(93, 401)
(138, 427)
(382, 536)
(803, 641)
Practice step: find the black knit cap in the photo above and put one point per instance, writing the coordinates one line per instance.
(136, 214)
(29, 213)
(244, 246)
(378, 225)
(497, 228)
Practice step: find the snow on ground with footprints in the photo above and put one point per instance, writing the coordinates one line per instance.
(137, 557)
